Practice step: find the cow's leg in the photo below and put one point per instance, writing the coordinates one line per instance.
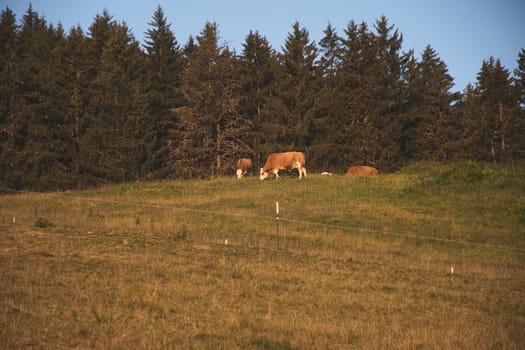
(276, 172)
(302, 171)
(297, 165)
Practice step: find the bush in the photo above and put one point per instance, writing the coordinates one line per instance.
(465, 173)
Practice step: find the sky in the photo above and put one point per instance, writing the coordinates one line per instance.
(464, 33)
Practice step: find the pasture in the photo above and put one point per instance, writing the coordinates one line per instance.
(430, 257)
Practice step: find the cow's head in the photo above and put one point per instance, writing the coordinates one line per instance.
(239, 173)
(263, 174)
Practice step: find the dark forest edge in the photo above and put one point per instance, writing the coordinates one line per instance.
(85, 109)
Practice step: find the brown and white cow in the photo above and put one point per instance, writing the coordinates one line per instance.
(361, 171)
(286, 160)
(244, 165)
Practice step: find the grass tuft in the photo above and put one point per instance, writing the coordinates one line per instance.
(43, 223)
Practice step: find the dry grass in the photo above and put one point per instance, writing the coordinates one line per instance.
(361, 263)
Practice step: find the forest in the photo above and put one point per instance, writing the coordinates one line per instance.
(81, 109)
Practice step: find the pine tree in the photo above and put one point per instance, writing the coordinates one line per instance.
(519, 74)
(471, 143)
(89, 126)
(76, 83)
(110, 151)
(10, 133)
(327, 146)
(99, 32)
(330, 50)
(493, 127)
(517, 127)
(371, 80)
(59, 149)
(385, 86)
(258, 66)
(8, 62)
(298, 89)
(163, 85)
(210, 123)
(354, 125)
(31, 54)
(429, 129)
(43, 152)
(498, 102)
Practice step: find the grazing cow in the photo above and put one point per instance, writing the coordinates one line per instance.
(361, 171)
(244, 165)
(286, 160)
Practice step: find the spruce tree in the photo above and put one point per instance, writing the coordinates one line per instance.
(99, 32)
(59, 142)
(298, 90)
(164, 63)
(517, 127)
(76, 83)
(44, 155)
(90, 126)
(468, 111)
(354, 125)
(429, 129)
(210, 123)
(110, 145)
(258, 69)
(519, 74)
(31, 54)
(330, 52)
(11, 135)
(385, 86)
(8, 63)
(327, 141)
(498, 101)
(371, 80)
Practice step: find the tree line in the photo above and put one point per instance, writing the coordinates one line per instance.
(84, 109)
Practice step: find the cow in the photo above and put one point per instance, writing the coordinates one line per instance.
(244, 165)
(361, 171)
(286, 160)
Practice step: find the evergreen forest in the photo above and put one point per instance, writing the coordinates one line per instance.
(82, 109)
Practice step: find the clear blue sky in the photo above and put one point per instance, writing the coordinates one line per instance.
(463, 32)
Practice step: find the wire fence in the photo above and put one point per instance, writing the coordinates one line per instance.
(275, 232)
(6, 218)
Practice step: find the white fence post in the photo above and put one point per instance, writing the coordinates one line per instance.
(277, 222)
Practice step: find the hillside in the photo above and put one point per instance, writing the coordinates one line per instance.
(430, 257)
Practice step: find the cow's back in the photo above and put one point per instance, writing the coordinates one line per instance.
(245, 164)
(361, 171)
(283, 160)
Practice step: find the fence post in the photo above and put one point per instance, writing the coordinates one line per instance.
(277, 222)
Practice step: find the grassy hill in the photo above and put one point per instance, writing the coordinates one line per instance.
(430, 257)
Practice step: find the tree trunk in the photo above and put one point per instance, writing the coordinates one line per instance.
(218, 142)
(503, 122)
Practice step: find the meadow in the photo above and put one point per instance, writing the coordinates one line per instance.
(430, 257)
